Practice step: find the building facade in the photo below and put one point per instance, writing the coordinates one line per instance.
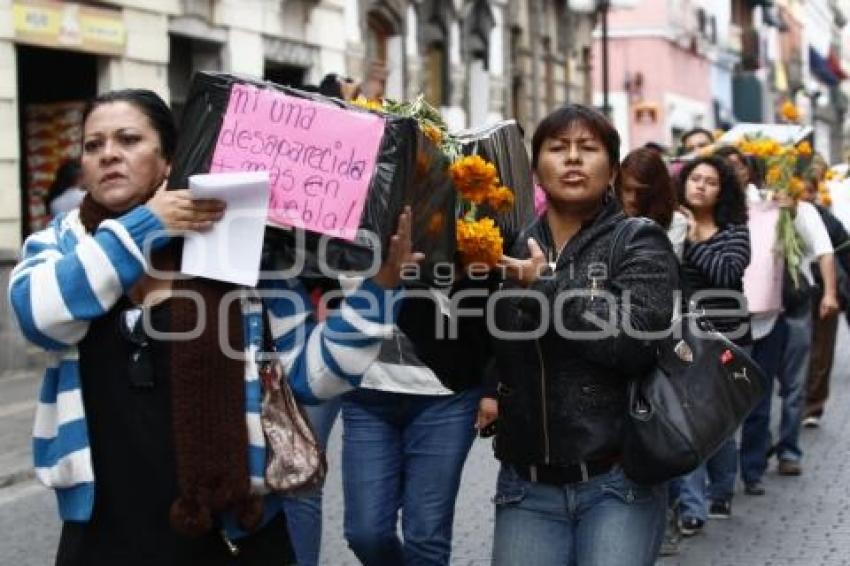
(477, 60)
(665, 58)
(549, 57)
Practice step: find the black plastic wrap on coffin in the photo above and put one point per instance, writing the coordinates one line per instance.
(409, 170)
(502, 144)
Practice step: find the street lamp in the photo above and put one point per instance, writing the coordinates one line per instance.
(602, 7)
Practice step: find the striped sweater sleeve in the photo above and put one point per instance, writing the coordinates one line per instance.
(723, 258)
(64, 281)
(328, 358)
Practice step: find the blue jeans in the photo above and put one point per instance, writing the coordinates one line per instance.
(304, 513)
(793, 371)
(720, 471)
(403, 453)
(783, 354)
(607, 521)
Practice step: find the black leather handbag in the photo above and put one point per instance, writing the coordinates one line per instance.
(700, 390)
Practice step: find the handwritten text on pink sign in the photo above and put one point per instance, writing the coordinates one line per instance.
(320, 158)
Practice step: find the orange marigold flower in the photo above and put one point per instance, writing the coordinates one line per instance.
(789, 111)
(369, 103)
(805, 149)
(479, 241)
(773, 176)
(796, 187)
(501, 199)
(433, 133)
(474, 178)
(772, 148)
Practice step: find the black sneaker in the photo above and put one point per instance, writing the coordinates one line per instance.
(720, 510)
(755, 488)
(689, 527)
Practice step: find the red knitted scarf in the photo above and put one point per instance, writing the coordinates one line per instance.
(207, 399)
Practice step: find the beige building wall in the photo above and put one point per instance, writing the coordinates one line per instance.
(547, 45)
(330, 35)
(10, 192)
(247, 26)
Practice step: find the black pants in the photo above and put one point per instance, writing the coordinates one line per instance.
(81, 545)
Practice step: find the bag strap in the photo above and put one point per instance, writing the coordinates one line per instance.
(265, 357)
(268, 339)
(618, 240)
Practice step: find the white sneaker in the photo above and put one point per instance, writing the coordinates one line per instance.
(811, 422)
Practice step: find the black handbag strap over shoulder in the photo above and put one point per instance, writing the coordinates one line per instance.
(625, 228)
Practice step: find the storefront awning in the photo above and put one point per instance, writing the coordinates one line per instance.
(68, 25)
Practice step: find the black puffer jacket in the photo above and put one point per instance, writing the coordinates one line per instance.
(563, 399)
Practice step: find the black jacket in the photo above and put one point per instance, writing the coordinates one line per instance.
(452, 341)
(563, 399)
(838, 237)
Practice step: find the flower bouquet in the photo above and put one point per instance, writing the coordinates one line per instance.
(782, 162)
(479, 239)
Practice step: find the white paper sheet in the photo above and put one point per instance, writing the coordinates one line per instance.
(230, 251)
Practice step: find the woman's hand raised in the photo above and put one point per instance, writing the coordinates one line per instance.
(400, 254)
(179, 211)
(526, 271)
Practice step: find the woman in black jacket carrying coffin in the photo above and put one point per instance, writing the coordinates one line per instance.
(562, 497)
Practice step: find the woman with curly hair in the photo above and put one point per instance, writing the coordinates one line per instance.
(717, 251)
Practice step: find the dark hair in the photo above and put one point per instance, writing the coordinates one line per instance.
(657, 198)
(655, 146)
(757, 169)
(330, 86)
(731, 207)
(569, 114)
(725, 151)
(148, 103)
(693, 132)
(67, 175)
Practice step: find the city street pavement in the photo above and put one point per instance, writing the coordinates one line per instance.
(802, 521)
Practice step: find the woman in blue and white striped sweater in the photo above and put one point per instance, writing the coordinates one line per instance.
(154, 447)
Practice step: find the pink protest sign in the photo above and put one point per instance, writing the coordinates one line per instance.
(320, 158)
(763, 277)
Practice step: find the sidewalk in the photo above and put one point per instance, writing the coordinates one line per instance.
(18, 395)
(802, 521)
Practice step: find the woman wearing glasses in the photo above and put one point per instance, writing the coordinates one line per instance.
(153, 443)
